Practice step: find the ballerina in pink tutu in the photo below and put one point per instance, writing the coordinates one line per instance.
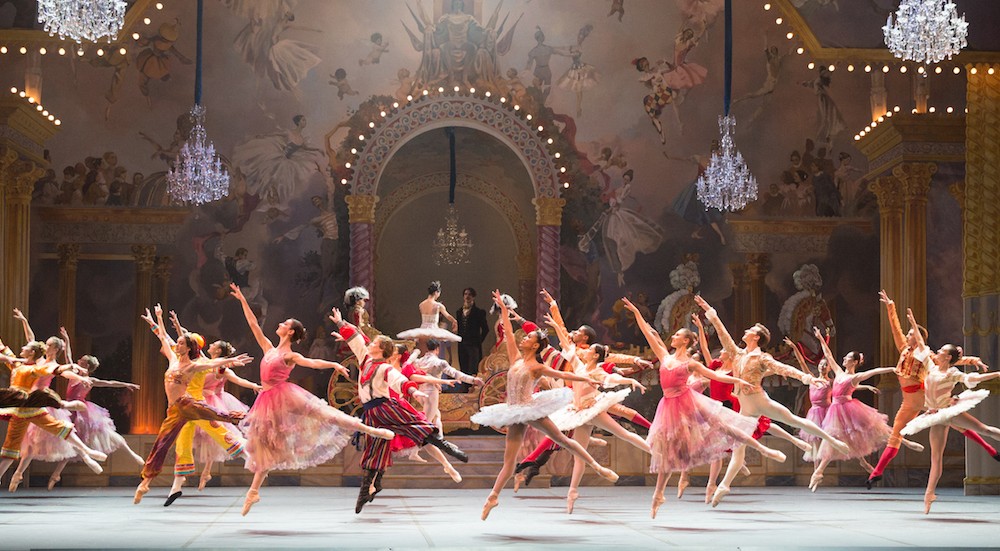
(288, 427)
(209, 452)
(690, 429)
(819, 400)
(851, 421)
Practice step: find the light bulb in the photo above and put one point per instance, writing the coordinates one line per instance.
(42, 51)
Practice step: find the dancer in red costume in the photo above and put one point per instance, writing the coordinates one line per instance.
(523, 408)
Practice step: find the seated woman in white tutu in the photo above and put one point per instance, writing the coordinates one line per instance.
(944, 411)
(589, 408)
(430, 313)
(524, 408)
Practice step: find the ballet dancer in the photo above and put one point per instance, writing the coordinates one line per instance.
(433, 365)
(523, 408)
(752, 364)
(430, 313)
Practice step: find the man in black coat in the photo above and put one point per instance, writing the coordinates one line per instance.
(473, 329)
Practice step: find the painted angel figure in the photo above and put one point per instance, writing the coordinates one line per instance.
(375, 55)
(285, 62)
(276, 165)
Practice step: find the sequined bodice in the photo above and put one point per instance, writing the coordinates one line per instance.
(820, 395)
(673, 380)
(77, 391)
(520, 383)
(843, 388)
(273, 369)
(429, 320)
(938, 386)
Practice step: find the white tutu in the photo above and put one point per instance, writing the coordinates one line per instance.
(963, 402)
(542, 405)
(569, 417)
(429, 333)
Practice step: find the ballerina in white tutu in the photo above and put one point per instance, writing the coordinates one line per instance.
(431, 312)
(589, 408)
(944, 411)
(524, 409)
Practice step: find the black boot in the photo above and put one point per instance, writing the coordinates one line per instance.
(364, 496)
(544, 457)
(534, 467)
(377, 483)
(447, 447)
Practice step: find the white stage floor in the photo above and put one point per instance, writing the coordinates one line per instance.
(294, 517)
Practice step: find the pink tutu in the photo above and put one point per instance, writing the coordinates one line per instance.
(208, 449)
(856, 424)
(44, 446)
(691, 429)
(819, 398)
(95, 427)
(290, 428)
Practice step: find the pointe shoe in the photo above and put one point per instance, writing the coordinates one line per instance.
(657, 501)
(384, 434)
(15, 481)
(814, 481)
(606, 473)
(253, 496)
(518, 480)
(709, 491)
(203, 481)
(92, 465)
(928, 500)
(840, 447)
(915, 446)
(872, 480)
(139, 492)
(720, 493)
(745, 471)
(491, 503)
(682, 485)
(774, 454)
(571, 498)
(802, 444)
(98, 456)
(453, 473)
(530, 473)
(53, 481)
(599, 442)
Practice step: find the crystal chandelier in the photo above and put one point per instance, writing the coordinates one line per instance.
(197, 175)
(452, 245)
(727, 183)
(81, 20)
(925, 31)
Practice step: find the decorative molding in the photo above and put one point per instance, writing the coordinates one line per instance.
(108, 233)
(145, 256)
(69, 255)
(430, 112)
(981, 235)
(916, 179)
(805, 235)
(112, 215)
(548, 210)
(361, 208)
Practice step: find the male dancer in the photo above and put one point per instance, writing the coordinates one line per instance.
(915, 360)
(752, 364)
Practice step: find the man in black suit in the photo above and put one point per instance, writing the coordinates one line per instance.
(473, 329)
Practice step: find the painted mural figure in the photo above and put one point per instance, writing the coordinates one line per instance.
(375, 55)
(682, 74)
(285, 62)
(276, 165)
(580, 76)
(539, 57)
(617, 6)
(327, 228)
(119, 62)
(831, 122)
(700, 13)
(626, 232)
(339, 80)
(153, 63)
(660, 94)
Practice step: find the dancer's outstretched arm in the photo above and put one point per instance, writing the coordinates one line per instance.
(865, 375)
(68, 351)
(314, 363)
(166, 343)
(652, 337)
(724, 337)
(177, 323)
(803, 364)
(706, 352)
(29, 335)
(232, 377)
(262, 341)
(915, 328)
(890, 310)
(512, 352)
(205, 364)
(827, 353)
(703, 371)
(355, 341)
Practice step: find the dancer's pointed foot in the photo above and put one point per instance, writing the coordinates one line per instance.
(15, 481)
(599, 442)
(415, 456)
(491, 503)
(720, 493)
(840, 447)
(928, 500)
(530, 473)
(606, 473)
(203, 481)
(97, 456)
(773, 454)
(709, 491)
(682, 485)
(53, 480)
(801, 444)
(872, 480)
(172, 498)
(915, 446)
(253, 496)
(519, 479)
(658, 500)
(92, 465)
(815, 481)
(571, 498)
(453, 473)
(384, 434)
(744, 470)
(139, 492)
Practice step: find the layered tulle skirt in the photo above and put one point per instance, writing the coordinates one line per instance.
(569, 417)
(290, 428)
(816, 414)
(962, 403)
(429, 333)
(95, 427)
(541, 405)
(44, 446)
(691, 429)
(207, 448)
(858, 425)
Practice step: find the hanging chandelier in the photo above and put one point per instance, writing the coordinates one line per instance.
(926, 31)
(727, 183)
(80, 20)
(197, 175)
(452, 244)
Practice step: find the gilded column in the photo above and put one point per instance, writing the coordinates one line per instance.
(548, 216)
(981, 253)
(7, 159)
(361, 216)
(758, 264)
(19, 181)
(69, 254)
(889, 192)
(146, 416)
(741, 296)
(916, 179)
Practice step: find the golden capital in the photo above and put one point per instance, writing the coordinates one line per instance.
(7, 157)
(758, 264)
(21, 177)
(740, 280)
(916, 178)
(144, 256)
(548, 210)
(162, 266)
(889, 191)
(69, 255)
(361, 208)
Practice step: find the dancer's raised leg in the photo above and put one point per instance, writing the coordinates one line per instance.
(512, 445)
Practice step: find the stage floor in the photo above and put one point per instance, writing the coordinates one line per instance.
(302, 517)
